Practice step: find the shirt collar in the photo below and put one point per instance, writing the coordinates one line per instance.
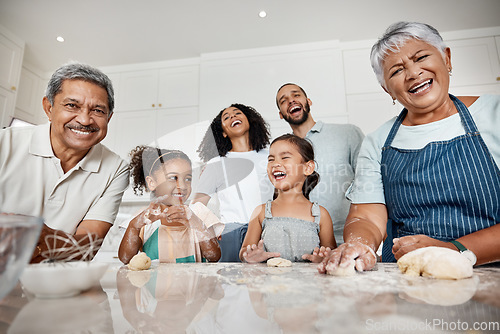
(40, 145)
(317, 127)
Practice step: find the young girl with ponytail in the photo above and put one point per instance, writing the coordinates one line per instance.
(290, 226)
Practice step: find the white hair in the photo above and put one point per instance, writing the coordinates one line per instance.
(395, 36)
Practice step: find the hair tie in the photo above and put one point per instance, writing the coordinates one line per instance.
(161, 156)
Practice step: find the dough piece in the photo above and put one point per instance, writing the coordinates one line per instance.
(139, 262)
(438, 292)
(349, 270)
(436, 262)
(279, 262)
(139, 278)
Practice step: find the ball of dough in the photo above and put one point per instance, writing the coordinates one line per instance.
(348, 270)
(438, 292)
(279, 262)
(139, 262)
(139, 278)
(436, 262)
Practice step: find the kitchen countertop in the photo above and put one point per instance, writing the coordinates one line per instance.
(254, 298)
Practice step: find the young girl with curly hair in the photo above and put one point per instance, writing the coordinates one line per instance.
(234, 148)
(167, 229)
(290, 226)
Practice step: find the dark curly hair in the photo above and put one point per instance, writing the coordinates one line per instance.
(306, 151)
(145, 160)
(215, 144)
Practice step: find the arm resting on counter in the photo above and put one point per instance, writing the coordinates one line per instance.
(87, 231)
(483, 243)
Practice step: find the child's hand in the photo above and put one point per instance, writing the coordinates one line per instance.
(256, 253)
(317, 255)
(152, 213)
(176, 215)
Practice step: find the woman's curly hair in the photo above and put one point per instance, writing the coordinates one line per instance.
(146, 160)
(215, 144)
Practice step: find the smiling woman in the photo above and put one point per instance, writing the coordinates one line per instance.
(234, 148)
(433, 171)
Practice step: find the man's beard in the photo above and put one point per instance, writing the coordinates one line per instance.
(305, 115)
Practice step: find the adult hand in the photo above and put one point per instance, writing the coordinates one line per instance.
(317, 255)
(363, 256)
(256, 253)
(407, 244)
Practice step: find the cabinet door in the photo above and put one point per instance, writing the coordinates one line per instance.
(29, 98)
(371, 110)
(359, 75)
(174, 129)
(138, 90)
(178, 86)
(129, 129)
(7, 101)
(475, 62)
(11, 55)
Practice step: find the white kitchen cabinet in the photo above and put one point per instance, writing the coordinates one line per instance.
(168, 87)
(359, 76)
(127, 130)
(7, 99)
(475, 61)
(252, 77)
(371, 110)
(11, 56)
(29, 98)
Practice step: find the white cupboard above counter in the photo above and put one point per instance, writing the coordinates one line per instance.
(11, 57)
(155, 85)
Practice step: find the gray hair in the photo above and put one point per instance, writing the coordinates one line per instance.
(78, 71)
(395, 36)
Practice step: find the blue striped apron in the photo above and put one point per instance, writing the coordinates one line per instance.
(445, 190)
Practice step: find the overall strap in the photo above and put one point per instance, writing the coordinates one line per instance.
(316, 212)
(268, 213)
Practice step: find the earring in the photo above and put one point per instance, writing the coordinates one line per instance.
(449, 72)
(393, 101)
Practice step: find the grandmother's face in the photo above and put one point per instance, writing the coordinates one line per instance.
(417, 76)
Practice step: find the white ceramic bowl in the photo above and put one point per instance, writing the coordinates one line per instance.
(63, 279)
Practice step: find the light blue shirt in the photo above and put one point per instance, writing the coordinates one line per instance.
(336, 148)
(368, 187)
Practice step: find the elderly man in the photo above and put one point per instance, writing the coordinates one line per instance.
(336, 147)
(59, 170)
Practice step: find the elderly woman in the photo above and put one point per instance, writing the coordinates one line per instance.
(430, 176)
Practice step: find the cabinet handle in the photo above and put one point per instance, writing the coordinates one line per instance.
(159, 105)
(153, 105)
(13, 88)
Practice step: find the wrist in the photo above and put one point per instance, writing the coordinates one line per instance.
(464, 251)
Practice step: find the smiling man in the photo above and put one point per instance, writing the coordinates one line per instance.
(336, 148)
(59, 170)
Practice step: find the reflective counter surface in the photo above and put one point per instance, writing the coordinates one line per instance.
(244, 298)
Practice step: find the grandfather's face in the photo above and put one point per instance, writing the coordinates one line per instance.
(417, 76)
(294, 106)
(79, 116)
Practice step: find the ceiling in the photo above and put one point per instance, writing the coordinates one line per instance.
(117, 32)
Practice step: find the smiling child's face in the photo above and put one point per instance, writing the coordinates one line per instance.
(285, 167)
(173, 181)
